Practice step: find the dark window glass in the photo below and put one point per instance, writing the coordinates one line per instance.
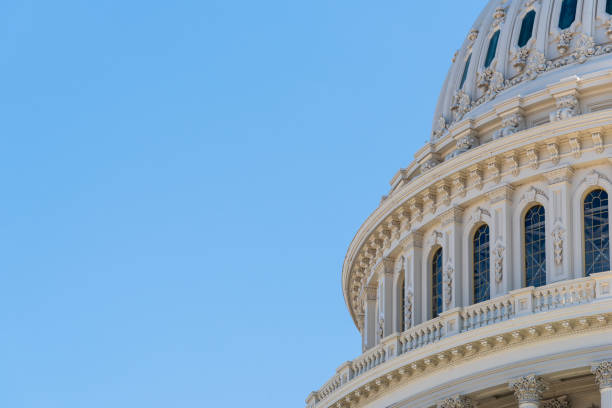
(481, 264)
(465, 71)
(609, 6)
(596, 232)
(568, 13)
(492, 49)
(535, 247)
(436, 284)
(526, 28)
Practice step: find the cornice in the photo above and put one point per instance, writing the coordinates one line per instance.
(512, 151)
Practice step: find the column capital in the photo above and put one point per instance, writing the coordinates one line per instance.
(414, 240)
(452, 215)
(528, 389)
(459, 401)
(603, 373)
(502, 193)
(371, 292)
(562, 175)
(388, 264)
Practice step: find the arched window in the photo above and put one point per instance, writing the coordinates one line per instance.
(535, 246)
(492, 49)
(481, 264)
(568, 13)
(436, 283)
(596, 233)
(609, 6)
(465, 71)
(526, 28)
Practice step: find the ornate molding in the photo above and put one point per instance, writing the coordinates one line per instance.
(528, 389)
(603, 373)
(459, 401)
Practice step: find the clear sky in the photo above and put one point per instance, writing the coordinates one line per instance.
(181, 180)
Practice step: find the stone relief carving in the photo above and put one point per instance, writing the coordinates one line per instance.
(557, 236)
(558, 402)
(464, 144)
(381, 327)
(448, 284)
(528, 389)
(512, 158)
(564, 39)
(567, 107)
(510, 124)
(456, 402)
(478, 214)
(460, 105)
(536, 63)
(575, 146)
(499, 263)
(603, 373)
(530, 195)
(440, 128)
(408, 309)
(532, 157)
(553, 150)
(594, 178)
(429, 164)
(597, 142)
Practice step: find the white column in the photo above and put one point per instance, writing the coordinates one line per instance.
(386, 292)
(560, 235)
(500, 240)
(452, 257)
(413, 280)
(528, 390)
(603, 376)
(369, 331)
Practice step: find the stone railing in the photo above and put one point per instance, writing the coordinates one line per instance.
(516, 304)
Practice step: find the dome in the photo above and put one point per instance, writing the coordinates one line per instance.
(518, 47)
(484, 276)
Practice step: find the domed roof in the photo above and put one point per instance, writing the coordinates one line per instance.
(517, 47)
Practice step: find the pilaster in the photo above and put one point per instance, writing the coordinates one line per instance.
(413, 279)
(386, 292)
(560, 234)
(500, 240)
(369, 331)
(452, 230)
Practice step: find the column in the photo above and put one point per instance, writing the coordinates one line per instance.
(413, 280)
(528, 390)
(500, 240)
(369, 331)
(559, 226)
(452, 261)
(603, 376)
(386, 292)
(459, 401)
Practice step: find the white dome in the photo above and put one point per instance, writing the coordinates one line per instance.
(547, 55)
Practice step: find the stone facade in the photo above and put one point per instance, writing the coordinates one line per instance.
(532, 130)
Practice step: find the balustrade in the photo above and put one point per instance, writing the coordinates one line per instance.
(542, 299)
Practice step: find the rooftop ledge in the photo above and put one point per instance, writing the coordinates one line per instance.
(522, 314)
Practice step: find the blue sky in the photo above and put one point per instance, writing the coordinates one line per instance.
(181, 181)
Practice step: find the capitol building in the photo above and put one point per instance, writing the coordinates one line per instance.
(483, 277)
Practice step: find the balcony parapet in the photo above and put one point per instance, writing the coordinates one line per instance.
(518, 305)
